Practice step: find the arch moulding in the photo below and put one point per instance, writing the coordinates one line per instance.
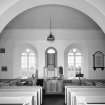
(22, 5)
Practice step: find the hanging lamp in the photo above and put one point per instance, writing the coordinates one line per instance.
(50, 37)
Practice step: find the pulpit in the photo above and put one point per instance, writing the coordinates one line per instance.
(52, 82)
(53, 86)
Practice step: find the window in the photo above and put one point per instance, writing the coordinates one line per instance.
(28, 63)
(75, 60)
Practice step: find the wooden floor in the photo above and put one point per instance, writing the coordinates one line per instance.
(11, 104)
(53, 100)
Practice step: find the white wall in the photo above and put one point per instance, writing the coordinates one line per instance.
(14, 41)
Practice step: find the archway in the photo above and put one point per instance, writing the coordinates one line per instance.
(20, 6)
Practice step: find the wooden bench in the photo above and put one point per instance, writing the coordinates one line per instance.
(27, 90)
(91, 100)
(23, 100)
(11, 94)
(72, 92)
(91, 93)
(67, 87)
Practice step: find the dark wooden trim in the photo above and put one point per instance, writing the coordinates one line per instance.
(95, 103)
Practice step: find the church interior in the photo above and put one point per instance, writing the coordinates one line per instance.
(52, 52)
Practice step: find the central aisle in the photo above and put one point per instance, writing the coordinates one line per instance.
(53, 100)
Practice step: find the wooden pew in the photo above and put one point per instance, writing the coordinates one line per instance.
(91, 100)
(72, 92)
(24, 100)
(85, 94)
(66, 90)
(11, 94)
(25, 90)
(32, 88)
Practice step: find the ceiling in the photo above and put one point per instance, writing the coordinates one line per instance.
(61, 17)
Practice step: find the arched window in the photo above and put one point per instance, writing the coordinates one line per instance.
(28, 63)
(75, 60)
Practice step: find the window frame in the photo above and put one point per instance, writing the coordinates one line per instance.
(73, 65)
(28, 69)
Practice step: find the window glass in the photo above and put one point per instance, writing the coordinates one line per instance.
(51, 51)
(28, 62)
(74, 60)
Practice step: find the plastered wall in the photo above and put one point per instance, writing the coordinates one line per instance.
(15, 40)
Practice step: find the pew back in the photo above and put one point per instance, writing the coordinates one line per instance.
(24, 100)
(72, 92)
(69, 87)
(26, 88)
(23, 90)
(84, 100)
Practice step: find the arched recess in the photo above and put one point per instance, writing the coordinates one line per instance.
(51, 57)
(19, 52)
(82, 5)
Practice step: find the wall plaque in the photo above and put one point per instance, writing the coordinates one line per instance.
(98, 60)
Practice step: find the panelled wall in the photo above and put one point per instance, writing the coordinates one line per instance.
(16, 40)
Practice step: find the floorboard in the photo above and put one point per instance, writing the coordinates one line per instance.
(53, 99)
